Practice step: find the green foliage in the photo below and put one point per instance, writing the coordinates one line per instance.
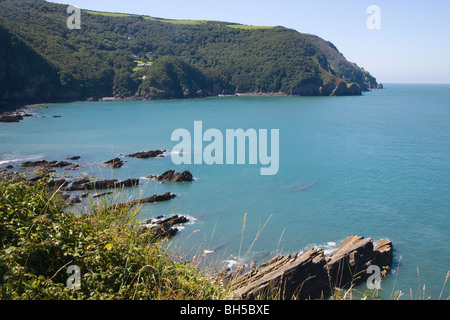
(39, 240)
(98, 59)
(23, 72)
(171, 77)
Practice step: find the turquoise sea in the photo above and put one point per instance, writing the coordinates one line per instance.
(376, 165)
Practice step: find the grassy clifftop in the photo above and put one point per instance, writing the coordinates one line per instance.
(39, 241)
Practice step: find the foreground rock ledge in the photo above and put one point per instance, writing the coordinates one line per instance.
(313, 275)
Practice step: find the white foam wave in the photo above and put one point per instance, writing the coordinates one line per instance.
(20, 159)
(327, 247)
(191, 221)
(172, 152)
(230, 263)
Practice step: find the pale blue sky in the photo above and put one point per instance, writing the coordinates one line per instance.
(412, 46)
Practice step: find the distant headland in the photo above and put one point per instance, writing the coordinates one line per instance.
(140, 57)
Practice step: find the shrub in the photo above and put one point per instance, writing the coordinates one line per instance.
(40, 239)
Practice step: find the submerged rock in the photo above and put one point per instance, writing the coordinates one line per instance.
(148, 154)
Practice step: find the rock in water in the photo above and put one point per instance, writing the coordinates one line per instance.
(155, 198)
(148, 154)
(152, 199)
(172, 176)
(114, 163)
(312, 275)
(45, 164)
(11, 117)
(163, 228)
(87, 184)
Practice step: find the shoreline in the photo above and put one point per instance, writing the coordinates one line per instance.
(14, 111)
(312, 269)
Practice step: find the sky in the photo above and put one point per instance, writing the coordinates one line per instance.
(411, 45)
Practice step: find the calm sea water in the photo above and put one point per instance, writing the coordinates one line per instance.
(376, 165)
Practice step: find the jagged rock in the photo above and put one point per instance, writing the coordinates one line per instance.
(148, 154)
(74, 158)
(114, 163)
(163, 228)
(74, 167)
(312, 275)
(285, 277)
(78, 185)
(171, 175)
(87, 184)
(383, 253)
(45, 164)
(171, 220)
(57, 183)
(99, 195)
(353, 257)
(155, 198)
(152, 199)
(11, 117)
(72, 200)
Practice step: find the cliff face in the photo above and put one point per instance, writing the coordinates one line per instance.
(335, 63)
(145, 57)
(24, 74)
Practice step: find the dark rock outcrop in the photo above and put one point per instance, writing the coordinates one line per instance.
(172, 176)
(163, 228)
(154, 198)
(312, 275)
(11, 117)
(45, 164)
(87, 184)
(103, 194)
(114, 163)
(148, 154)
